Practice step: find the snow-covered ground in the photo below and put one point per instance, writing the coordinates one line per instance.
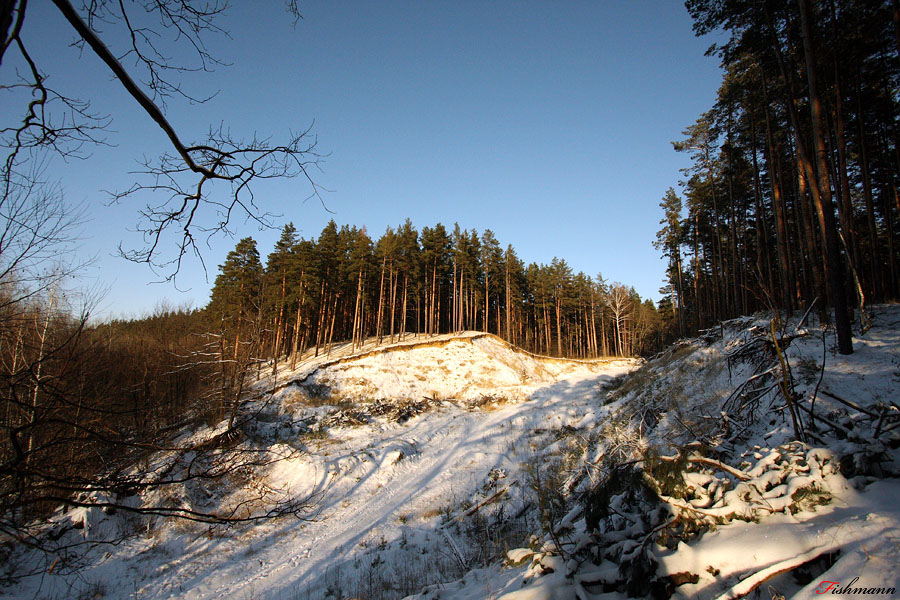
(460, 467)
(382, 490)
(757, 513)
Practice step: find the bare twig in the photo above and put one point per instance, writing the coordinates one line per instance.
(186, 176)
(806, 315)
(786, 386)
(812, 403)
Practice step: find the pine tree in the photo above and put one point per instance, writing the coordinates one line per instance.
(669, 240)
(235, 304)
(492, 269)
(278, 271)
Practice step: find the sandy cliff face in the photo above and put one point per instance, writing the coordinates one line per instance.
(465, 368)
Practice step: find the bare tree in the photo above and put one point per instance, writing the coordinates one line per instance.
(619, 300)
(38, 231)
(185, 202)
(80, 429)
(74, 421)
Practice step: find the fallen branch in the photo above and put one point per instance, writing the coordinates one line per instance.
(457, 555)
(847, 433)
(884, 412)
(493, 498)
(742, 393)
(748, 584)
(711, 462)
(890, 429)
(852, 405)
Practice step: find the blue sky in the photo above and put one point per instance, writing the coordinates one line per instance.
(546, 122)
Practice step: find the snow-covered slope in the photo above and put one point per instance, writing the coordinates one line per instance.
(460, 467)
(738, 506)
(390, 444)
(468, 366)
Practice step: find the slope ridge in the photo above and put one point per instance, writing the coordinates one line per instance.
(383, 488)
(466, 366)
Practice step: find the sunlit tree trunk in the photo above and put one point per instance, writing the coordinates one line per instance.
(823, 199)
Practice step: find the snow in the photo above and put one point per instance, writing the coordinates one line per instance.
(410, 452)
(374, 483)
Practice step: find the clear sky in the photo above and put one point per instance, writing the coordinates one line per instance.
(547, 122)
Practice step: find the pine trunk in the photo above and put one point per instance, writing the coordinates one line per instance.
(823, 199)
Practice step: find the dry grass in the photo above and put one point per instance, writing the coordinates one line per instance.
(431, 513)
(490, 402)
(636, 380)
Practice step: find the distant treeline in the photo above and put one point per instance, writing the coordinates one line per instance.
(79, 403)
(793, 192)
(343, 286)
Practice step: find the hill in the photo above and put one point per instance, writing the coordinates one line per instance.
(460, 467)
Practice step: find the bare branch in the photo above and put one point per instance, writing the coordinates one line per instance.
(184, 177)
(236, 163)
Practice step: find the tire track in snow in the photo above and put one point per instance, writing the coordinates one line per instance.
(446, 441)
(455, 451)
(441, 459)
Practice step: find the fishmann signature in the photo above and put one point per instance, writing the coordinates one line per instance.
(834, 587)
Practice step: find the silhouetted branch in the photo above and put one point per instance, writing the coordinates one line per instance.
(184, 177)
